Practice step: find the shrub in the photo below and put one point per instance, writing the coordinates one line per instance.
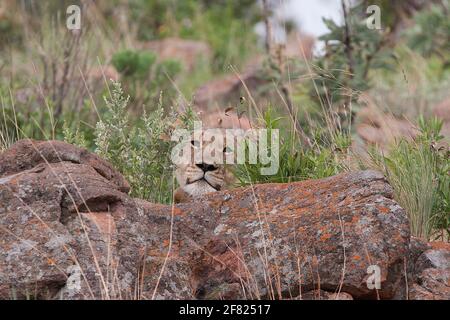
(359, 49)
(133, 63)
(419, 172)
(139, 150)
(76, 137)
(167, 68)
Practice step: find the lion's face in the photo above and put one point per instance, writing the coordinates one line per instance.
(208, 173)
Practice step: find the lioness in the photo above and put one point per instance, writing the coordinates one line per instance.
(209, 174)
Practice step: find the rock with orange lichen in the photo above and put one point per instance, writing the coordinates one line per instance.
(317, 234)
(68, 229)
(431, 274)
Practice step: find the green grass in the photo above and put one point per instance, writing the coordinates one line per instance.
(419, 173)
(296, 162)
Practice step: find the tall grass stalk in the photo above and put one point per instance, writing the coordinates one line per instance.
(419, 173)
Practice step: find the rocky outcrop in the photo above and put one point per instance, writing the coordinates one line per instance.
(188, 52)
(68, 230)
(60, 215)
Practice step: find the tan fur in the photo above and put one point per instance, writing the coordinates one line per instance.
(194, 182)
(224, 120)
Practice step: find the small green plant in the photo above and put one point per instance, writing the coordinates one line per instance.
(131, 63)
(419, 172)
(76, 137)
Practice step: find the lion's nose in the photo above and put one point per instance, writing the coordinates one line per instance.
(206, 167)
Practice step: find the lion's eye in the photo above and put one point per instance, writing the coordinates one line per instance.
(195, 143)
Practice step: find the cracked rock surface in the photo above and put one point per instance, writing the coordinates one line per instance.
(69, 230)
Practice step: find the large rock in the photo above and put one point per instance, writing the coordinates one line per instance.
(188, 52)
(382, 129)
(69, 230)
(431, 274)
(228, 89)
(315, 234)
(375, 127)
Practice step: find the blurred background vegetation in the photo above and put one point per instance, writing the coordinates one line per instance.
(352, 98)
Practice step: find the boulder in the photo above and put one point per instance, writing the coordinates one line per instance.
(274, 239)
(228, 89)
(375, 127)
(431, 274)
(29, 154)
(69, 230)
(382, 129)
(188, 52)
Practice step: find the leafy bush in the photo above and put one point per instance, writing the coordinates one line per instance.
(167, 68)
(140, 151)
(419, 172)
(133, 63)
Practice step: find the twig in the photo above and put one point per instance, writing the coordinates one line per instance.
(348, 48)
(267, 24)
